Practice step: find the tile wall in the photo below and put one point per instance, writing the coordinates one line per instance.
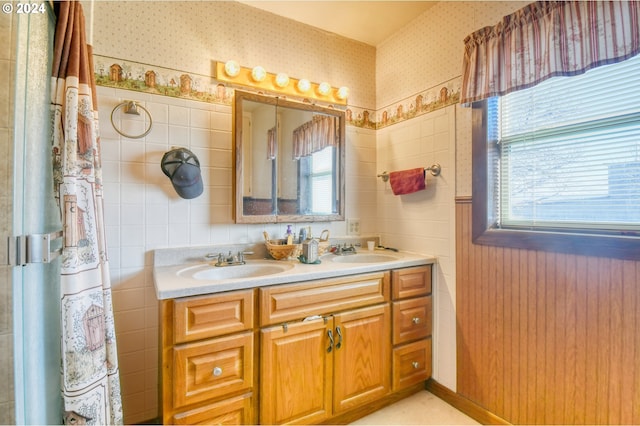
(142, 213)
(424, 222)
(425, 53)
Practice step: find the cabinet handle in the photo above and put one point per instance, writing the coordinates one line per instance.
(339, 333)
(330, 334)
(217, 371)
(416, 320)
(415, 364)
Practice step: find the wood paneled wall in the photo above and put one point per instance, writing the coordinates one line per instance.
(547, 338)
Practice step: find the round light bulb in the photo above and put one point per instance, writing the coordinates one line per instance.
(324, 88)
(231, 68)
(258, 73)
(343, 92)
(304, 85)
(282, 80)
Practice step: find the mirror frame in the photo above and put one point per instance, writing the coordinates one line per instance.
(240, 217)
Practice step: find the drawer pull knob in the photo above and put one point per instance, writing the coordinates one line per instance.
(416, 320)
(415, 364)
(217, 371)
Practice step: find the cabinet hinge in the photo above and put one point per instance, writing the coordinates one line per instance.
(33, 248)
(285, 327)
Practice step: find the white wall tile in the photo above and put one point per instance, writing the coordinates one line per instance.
(178, 115)
(178, 136)
(423, 222)
(200, 118)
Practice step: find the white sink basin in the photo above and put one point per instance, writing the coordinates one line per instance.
(251, 269)
(365, 258)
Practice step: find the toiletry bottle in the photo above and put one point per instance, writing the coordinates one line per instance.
(289, 235)
(302, 235)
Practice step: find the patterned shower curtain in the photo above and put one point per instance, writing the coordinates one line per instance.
(90, 379)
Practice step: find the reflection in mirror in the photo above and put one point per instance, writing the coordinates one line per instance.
(289, 161)
(258, 158)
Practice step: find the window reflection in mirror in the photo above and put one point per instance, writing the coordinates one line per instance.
(289, 168)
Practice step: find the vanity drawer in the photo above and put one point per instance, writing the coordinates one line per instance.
(232, 411)
(296, 301)
(411, 282)
(201, 317)
(212, 368)
(411, 364)
(411, 319)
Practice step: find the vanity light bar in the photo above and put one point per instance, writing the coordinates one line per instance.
(257, 77)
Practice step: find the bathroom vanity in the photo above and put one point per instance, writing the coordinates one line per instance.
(309, 344)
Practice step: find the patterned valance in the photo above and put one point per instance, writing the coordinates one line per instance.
(315, 135)
(546, 39)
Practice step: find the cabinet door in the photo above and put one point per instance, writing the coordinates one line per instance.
(362, 356)
(296, 366)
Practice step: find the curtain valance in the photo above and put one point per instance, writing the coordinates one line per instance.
(314, 136)
(546, 39)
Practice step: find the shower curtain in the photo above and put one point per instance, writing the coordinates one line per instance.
(90, 380)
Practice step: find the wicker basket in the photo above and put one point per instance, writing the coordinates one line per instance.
(324, 242)
(280, 250)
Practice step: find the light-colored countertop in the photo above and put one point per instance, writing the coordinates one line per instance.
(172, 281)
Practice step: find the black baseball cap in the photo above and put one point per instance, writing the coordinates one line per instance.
(183, 168)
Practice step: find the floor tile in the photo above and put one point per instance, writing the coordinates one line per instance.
(423, 408)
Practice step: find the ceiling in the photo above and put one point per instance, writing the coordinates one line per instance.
(370, 22)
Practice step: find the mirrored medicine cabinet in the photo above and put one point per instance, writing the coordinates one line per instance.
(289, 160)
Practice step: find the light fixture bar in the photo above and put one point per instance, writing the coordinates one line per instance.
(257, 77)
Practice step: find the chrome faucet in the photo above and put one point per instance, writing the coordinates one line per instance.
(229, 259)
(344, 250)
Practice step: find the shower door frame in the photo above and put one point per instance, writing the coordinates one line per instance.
(35, 286)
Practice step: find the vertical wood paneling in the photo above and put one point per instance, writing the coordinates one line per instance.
(630, 324)
(580, 348)
(547, 338)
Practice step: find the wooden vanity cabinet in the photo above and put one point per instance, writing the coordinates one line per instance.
(335, 360)
(208, 359)
(412, 326)
(321, 351)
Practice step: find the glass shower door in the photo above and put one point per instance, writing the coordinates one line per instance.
(36, 278)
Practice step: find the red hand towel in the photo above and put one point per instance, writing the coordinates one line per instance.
(407, 181)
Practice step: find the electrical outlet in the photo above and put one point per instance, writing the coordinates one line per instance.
(353, 226)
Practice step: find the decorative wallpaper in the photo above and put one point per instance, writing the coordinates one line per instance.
(429, 100)
(129, 75)
(192, 35)
(121, 74)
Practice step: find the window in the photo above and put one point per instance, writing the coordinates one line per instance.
(558, 165)
(317, 175)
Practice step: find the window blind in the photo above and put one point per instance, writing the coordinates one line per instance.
(321, 181)
(567, 152)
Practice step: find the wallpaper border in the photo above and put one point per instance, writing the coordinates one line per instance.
(153, 79)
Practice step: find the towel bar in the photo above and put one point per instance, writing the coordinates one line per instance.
(435, 170)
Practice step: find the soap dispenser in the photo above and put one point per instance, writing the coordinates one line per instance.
(289, 235)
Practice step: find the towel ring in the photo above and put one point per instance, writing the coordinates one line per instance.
(131, 107)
